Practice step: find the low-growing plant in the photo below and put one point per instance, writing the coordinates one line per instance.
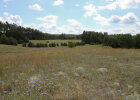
(64, 44)
(24, 44)
(71, 44)
(31, 44)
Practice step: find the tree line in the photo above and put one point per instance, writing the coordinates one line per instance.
(21, 34)
(13, 34)
(115, 40)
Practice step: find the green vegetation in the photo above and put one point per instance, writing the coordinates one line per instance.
(115, 41)
(7, 40)
(50, 43)
(12, 34)
(91, 72)
(22, 34)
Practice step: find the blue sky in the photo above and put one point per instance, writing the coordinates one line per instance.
(73, 16)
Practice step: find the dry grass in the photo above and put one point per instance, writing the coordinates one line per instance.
(81, 73)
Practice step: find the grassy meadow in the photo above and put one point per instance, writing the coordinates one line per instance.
(90, 72)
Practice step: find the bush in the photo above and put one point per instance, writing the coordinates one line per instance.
(57, 44)
(71, 44)
(52, 45)
(47, 41)
(137, 41)
(30, 44)
(24, 44)
(12, 41)
(80, 43)
(3, 39)
(6, 40)
(64, 44)
(46, 45)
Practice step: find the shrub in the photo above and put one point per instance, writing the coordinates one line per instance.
(64, 44)
(71, 44)
(6, 40)
(24, 44)
(30, 44)
(46, 45)
(52, 45)
(80, 43)
(3, 39)
(47, 41)
(12, 41)
(137, 41)
(57, 44)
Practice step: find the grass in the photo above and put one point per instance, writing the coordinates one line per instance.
(90, 72)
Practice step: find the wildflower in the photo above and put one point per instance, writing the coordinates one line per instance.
(17, 92)
(40, 87)
(118, 90)
(122, 94)
(5, 92)
(33, 82)
(27, 91)
(33, 85)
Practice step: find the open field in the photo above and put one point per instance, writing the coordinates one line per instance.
(61, 73)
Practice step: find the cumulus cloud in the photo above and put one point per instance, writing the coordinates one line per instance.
(110, 6)
(125, 4)
(75, 26)
(114, 19)
(129, 18)
(11, 18)
(58, 2)
(50, 25)
(90, 10)
(36, 7)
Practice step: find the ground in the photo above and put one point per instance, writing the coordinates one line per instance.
(90, 72)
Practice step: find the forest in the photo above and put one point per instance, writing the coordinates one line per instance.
(13, 34)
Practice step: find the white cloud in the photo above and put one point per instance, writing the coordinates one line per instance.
(101, 20)
(36, 7)
(50, 19)
(75, 27)
(11, 18)
(90, 10)
(50, 25)
(114, 19)
(0, 18)
(30, 26)
(58, 2)
(122, 4)
(110, 6)
(129, 18)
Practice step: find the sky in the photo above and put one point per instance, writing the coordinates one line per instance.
(73, 16)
